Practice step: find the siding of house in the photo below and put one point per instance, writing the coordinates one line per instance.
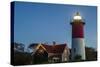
(54, 57)
(40, 56)
(53, 53)
(65, 55)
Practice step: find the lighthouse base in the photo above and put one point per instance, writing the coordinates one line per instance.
(78, 48)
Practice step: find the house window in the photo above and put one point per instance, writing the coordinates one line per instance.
(56, 59)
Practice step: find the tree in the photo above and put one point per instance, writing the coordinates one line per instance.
(19, 47)
(91, 54)
(22, 58)
(18, 55)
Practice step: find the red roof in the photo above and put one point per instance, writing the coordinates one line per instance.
(55, 48)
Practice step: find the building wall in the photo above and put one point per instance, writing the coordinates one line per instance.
(65, 55)
(40, 56)
(52, 56)
(78, 48)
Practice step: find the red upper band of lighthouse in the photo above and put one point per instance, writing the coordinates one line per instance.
(77, 26)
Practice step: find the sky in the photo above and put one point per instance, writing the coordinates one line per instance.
(45, 23)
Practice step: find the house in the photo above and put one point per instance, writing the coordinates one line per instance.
(51, 53)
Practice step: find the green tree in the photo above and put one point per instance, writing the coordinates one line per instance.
(19, 56)
(19, 47)
(91, 54)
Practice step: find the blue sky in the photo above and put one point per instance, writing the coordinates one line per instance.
(44, 23)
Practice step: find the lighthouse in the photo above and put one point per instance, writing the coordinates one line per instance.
(78, 43)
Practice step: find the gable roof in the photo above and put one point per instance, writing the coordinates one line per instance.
(59, 48)
(36, 46)
(55, 48)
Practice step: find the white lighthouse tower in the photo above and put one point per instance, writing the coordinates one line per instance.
(78, 44)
